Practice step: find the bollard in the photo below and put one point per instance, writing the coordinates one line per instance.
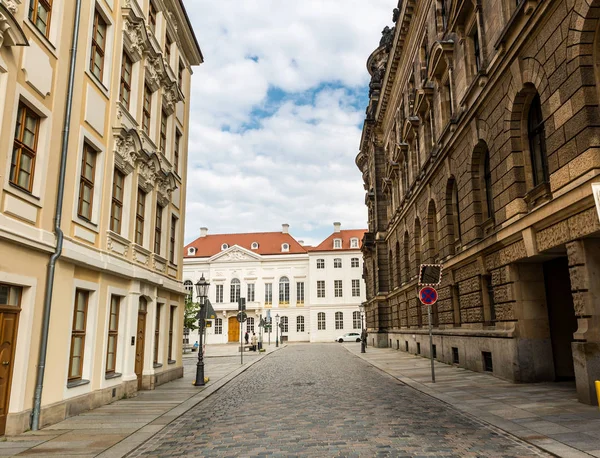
(598, 392)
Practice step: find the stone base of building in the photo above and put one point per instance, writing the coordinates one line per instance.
(149, 382)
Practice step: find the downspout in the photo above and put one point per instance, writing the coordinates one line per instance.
(37, 399)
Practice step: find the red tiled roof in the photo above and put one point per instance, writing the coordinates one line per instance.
(268, 243)
(345, 235)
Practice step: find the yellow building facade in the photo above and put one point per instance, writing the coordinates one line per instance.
(95, 101)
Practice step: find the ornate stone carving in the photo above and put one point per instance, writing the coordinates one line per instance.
(11, 6)
(233, 256)
(126, 151)
(154, 72)
(135, 39)
(171, 96)
(396, 15)
(10, 32)
(387, 38)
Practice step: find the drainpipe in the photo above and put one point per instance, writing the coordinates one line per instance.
(37, 398)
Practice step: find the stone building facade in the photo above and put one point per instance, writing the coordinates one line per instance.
(479, 148)
(117, 300)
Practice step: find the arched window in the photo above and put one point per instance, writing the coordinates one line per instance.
(453, 216)
(284, 290)
(284, 324)
(189, 289)
(339, 320)
(398, 265)
(321, 321)
(374, 273)
(406, 257)
(299, 324)
(417, 244)
(234, 291)
(432, 232)
(487, 186)
(391, 269)
(537, 142)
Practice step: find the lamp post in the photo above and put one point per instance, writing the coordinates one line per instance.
(277, 330)
(363, 334)
(202, 293)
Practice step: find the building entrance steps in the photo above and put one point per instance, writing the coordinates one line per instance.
(114, 430)
(546, 415)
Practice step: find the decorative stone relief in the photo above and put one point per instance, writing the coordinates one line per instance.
(235, 256)
(126, 151)
(11, 6)
(154, 72)
(171, 96)
(136, 39)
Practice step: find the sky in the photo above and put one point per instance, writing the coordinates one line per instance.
(277, 110)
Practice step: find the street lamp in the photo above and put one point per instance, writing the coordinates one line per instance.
(277, 330)
(363, 336)
(202, 293)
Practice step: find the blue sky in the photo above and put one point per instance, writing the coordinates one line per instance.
(277, 111)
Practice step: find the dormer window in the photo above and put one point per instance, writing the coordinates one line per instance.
(285, 247)
(354, 243)
(224, 247)
(254, 245)
(337, 244)
(191, 251)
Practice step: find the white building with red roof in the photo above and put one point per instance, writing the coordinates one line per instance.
(315, 291)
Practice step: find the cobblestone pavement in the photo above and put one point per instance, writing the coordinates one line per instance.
(318, 400)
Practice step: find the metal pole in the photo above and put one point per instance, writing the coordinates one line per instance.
(363, 337)
(276, 334)
(431, 343)
(241, 342)
(200, 364)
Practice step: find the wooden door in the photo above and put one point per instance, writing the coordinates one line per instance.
(234, 330)
(8, 337)
(140, 341)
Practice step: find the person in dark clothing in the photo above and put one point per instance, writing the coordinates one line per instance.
(246, 337)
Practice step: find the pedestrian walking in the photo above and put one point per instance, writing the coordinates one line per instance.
(254, 341)
(246, 337)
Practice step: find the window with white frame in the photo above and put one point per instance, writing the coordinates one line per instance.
(250, 296)
(321, 321)
(337, 288)
(250, 324)
(113, 334)
(354, 262)
(356, 321)
(219, 294)
(353, 243)
(284, 291)
(40, 13)
(300, 293)
(189, 289)
(339, 320)
(320, 263)
(299, 324)
(285, 247)
(86, 182)
(337, 263)
(268, 293)
(254, 245)
(218, 326)
(320, 288)
(224, 246)
(99, 35)
(284, 324)
(78, 333)
(234, 290)
(355, 288)
(337, 244)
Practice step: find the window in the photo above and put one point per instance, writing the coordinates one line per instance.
(250, 324)
(40, 12)
(113, 334)
(152, 17)
(173, 239)
(356, 321)
(27, 132)
(250, 296)
(455, 358)
(126, 67)
(337, 263)
(180, 74)
(168, 44)
(157, 333)
(285, 247)
(224, 246)
(284, 291)
(299, 324)
(488, 364)
(337, 288)
(219, 294)
(477, 50)
(116, 207)
(355, 288)
(320, 288)
(339, 320)
(78, 334)
(254, 245)
(337, 244)
(284, 324)
(218, 326)
(268, 293)
(418, 348)
(139, 217)
(354, 262)
(171, 321)
(300, 293)
(537, 142)
(98, 46)
(147, 109)
(189, 289)
(434, 351)
(158, 229)
(86, 182)
(487, 181)
(353, 243)
(234, 290)
(321, 321)
(320, 263)
(10, 295)
(163, 132)
(176, 152)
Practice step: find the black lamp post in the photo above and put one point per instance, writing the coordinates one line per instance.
(202, 293)
(277, 330)
(363, 337)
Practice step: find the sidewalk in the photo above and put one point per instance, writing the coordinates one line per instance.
(113, 430)
(546, 415)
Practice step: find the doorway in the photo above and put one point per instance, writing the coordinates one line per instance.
(10, 302)
(561, 316)
(234, 329)
(140, 340)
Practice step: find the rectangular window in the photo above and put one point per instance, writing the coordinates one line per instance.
(320, 263)
(78, 334)
(356, 321)
(116, 207)
(300, 293)
(455, 357)
(477, 50)
(299, 324)
(139, 217)
(355, 288)
(219, 294)
(218, 326)
(163, 132)
(176, 152)
(354, 262)
(40, 12)
(320, 288)
(98, 46)
(27, 131)
(86, 182)
(113, 334)
(250, 324)
(147, 109)
(284, 324)
(268, 293)
(180, 74)
(157, 333)
(337, 288)
(488, 364)
(10, 295)
(339, 320)
(321, 321)
(126, 67)
(250, 295)
(158, 229)
(168, 44)
(152, 17)
(171, 322)
(173, 239)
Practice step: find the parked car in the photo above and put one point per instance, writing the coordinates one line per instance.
(349, 337)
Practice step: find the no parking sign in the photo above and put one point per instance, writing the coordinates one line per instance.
(428, 295)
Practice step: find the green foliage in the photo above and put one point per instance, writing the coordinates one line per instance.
(191, 311)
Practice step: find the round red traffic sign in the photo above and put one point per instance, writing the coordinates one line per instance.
(428, 295)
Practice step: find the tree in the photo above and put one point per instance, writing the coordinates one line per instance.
(190, 320)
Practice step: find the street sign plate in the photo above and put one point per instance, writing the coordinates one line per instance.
(208, 324)
(596, 192)
(242, 317)
(428, 295)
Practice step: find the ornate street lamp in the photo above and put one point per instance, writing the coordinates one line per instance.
(277, 330)
(363, 334)
(202, 293)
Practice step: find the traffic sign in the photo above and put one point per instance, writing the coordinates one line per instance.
(430, 274)
(428, 295)
(242, 317)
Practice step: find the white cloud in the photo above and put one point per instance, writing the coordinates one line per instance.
(294, 164)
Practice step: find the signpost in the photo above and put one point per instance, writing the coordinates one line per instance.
(430, 275)
(241, 317)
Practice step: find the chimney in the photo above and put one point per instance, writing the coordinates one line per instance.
(336, 227)
(301, 242)
(203, 231)
(285, 228)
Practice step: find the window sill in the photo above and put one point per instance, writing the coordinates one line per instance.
(171, 361)
(43, 38)
(157, 365)
(99, 84)
(23, 194)
(538, 195)
(76, 383)
(112, 375)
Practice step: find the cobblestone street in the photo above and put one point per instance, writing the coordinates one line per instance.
(320, 400)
